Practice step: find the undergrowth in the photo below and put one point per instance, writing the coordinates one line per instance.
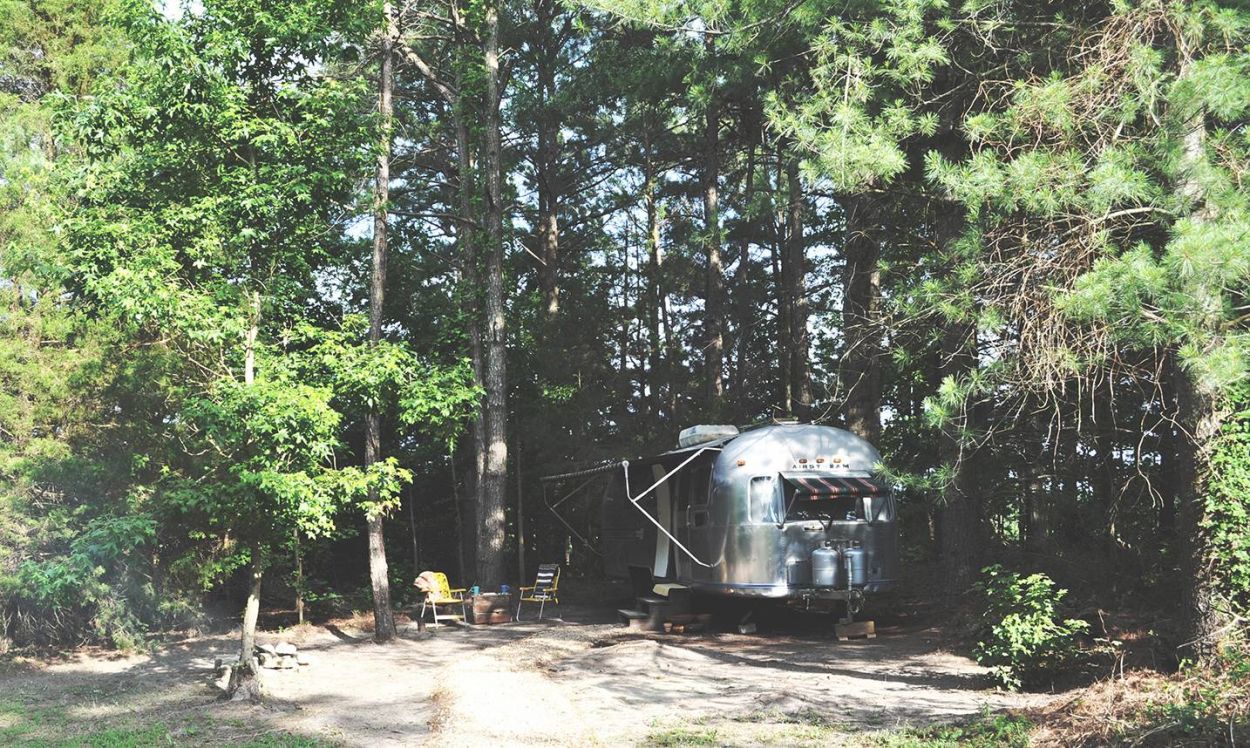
(1197, 706)
(987, 731)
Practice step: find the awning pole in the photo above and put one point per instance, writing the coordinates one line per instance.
(635, 499)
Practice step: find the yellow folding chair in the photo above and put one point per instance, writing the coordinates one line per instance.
(443, 594)
(545, 589)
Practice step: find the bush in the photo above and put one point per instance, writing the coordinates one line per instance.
(1209, 700)
(1227, 515)
(1022, 639)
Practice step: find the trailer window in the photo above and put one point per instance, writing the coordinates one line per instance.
(879, 508)
(764, 500)
(828, 508)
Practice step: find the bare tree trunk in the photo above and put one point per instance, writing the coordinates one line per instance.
(794, 270)
(251, 612)
(741, 305)
(547, 165)
(1201, 413)
(299, 582)
(1204, 621)
(655, 293)
(1104, 475)
(412, 529)
(245, 681)
(467, 250)
(714, 302)
(520, 514)
(785, 303)
(1033, 522)
(245, 677)
(961, 533)
(961, 537)
(469, 276)
(383, 618)
(861, 378)
(490, 561)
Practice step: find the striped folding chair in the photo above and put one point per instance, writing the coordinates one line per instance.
(545, 589)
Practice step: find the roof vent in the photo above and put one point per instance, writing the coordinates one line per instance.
(704, 433)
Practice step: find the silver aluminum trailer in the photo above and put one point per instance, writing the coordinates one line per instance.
(788, 512)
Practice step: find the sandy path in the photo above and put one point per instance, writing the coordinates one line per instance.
(550, 683)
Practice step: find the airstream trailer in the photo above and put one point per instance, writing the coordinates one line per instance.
(791, 512)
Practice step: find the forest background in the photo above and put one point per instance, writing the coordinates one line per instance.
(303, 296)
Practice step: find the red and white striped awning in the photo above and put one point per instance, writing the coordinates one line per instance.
(815, 486)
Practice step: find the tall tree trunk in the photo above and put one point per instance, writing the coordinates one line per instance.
(655, 292)
(299, 580)
(1204, 621)
(1033, 516)
(1104, 473)
(961, 533)
(467, 256)
(741, 303)
(383, 618)
(490, 546)
(714, 302)
(861, 378)
(961, 537)
(520, 513)
(794, 270)
(547, 167)
(785, 302)
(1201, 414)
(245, 681)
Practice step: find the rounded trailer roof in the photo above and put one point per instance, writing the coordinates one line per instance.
(793, 442)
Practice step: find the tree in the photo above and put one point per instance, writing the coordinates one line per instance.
(206, 211)
(1149, 223)
(383, 619)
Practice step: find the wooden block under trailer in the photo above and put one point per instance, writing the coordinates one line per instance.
(861, 629)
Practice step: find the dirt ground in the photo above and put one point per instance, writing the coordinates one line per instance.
(576, 681)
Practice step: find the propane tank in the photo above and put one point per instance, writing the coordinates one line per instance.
(826, 569)
(856, 561)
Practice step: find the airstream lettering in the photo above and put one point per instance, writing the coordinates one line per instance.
(788, 511)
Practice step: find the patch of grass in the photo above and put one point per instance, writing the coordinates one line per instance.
(987, 731)
(25, 727)
(285, 741)
(799, 728)
(680, 737)
(127, 737)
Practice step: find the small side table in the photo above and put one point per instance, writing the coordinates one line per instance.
(489, 607)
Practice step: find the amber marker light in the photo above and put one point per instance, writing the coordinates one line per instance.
(741, 463)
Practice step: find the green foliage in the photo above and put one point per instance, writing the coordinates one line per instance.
(1208, 702)
(1227, 515)
(93, 592)
(1022, 639)
(436, 399)
(860, 104)
(680, 737)
(987, 731)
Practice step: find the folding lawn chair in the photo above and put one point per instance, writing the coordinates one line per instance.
(443, 594)
(545, 589)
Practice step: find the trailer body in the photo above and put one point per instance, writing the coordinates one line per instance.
(747, 515)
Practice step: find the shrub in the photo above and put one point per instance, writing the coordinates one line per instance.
(1227, 514)
(1209, 700)
(1022, 639)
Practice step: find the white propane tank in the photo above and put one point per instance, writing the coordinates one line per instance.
(856, 561)
(826, 567)
(704, 433)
